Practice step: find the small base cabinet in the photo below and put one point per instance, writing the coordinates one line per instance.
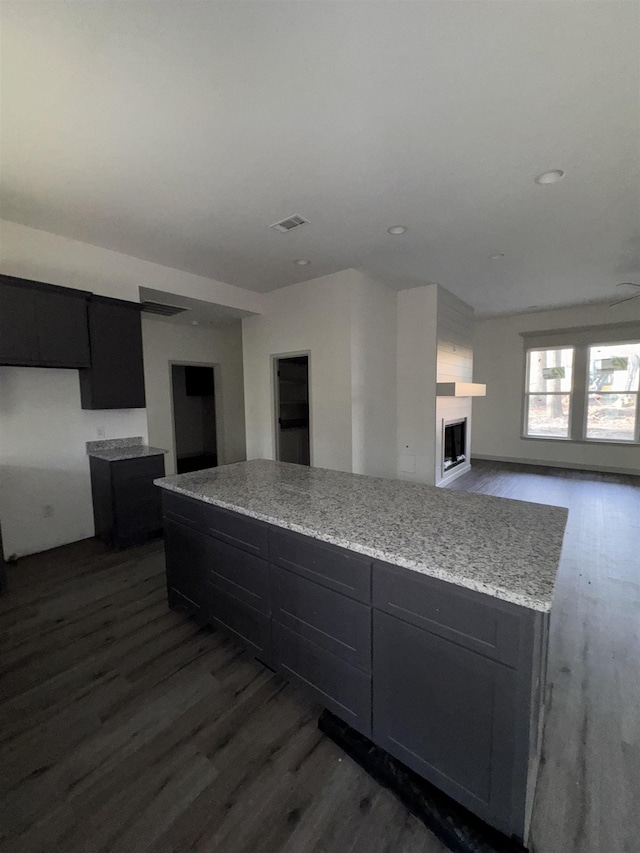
(126, 505)
(448, 681)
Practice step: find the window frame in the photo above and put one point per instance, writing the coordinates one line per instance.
(580, 343)
(528, 394)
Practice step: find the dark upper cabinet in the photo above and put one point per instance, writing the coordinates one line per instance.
(42, 325)
(62, 329)
(115, 379)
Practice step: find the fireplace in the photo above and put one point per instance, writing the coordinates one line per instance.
(454, 445)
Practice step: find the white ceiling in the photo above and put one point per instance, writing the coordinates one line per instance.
(178, 132)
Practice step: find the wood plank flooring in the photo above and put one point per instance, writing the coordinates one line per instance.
(125, 727)
(588, 793)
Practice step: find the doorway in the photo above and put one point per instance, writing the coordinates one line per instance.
(194, 417)
(292, 409)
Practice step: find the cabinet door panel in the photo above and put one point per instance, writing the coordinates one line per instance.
(115, 379)
(240, 574)
(18, 336)
(447, 713)
(333, 621)
(183, 509)
(336, 684)
(187, 561)
(340, 570)
(236, 529)
(63, 331)
(246, 624)
(470, 619)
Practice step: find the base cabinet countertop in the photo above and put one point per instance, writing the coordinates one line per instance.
(447, 679)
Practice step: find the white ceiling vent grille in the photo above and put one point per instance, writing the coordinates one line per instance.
(290, 223)
(163, 310)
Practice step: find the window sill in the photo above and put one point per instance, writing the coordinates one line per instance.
(607, 442)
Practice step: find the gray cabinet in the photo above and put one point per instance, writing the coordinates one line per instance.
(187, 555)
(249, 626)
(447, 713)
(337, 685)
(447, 680)
(339, 624)
(42, 325)
(115, 379)
(126, 504)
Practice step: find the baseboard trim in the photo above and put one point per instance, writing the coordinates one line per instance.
(545, 463)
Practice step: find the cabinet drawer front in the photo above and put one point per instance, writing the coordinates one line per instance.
(183, 509)
(236, 529)
(251, 628)
(444, 609)
(241, 575)
(336, 568)
(336, 684)
(146, 468)
(331, 620)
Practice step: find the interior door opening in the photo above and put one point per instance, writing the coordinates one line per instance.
(194, 417)
(292, 409)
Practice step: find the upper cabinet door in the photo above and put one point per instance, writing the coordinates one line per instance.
(63, 334)
(18, 336)
(42, 325)
(115, 379)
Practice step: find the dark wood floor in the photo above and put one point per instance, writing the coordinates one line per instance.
(125, 727)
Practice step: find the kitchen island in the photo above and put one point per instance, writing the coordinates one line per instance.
(417, 615)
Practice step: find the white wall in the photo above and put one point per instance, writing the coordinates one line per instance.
(30, 253)
(499, 361)
(43, 458)
(313, 316)
(416, 383)
(164, 343)
(373, 377)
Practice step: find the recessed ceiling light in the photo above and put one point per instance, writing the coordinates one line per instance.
(194, 322)
(497, 255)
(397, 229)
(551, 177)
(302, 262)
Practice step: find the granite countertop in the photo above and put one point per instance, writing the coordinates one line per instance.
(115, 449)
(505, 548)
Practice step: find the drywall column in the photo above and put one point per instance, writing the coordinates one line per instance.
(416, 383)
(373, 377)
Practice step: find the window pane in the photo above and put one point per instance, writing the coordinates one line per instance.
(550, 370)
(548, 414)
(612, 417)
(614, 368)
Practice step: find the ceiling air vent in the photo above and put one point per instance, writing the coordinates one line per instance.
(290, 223)
(163, 310)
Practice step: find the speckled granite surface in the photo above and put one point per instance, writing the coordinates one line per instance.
(112, 443)
(508, 549)
(117, 452)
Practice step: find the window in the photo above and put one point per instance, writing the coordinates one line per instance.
(585, 392)
(612, 411)
(549, 384)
